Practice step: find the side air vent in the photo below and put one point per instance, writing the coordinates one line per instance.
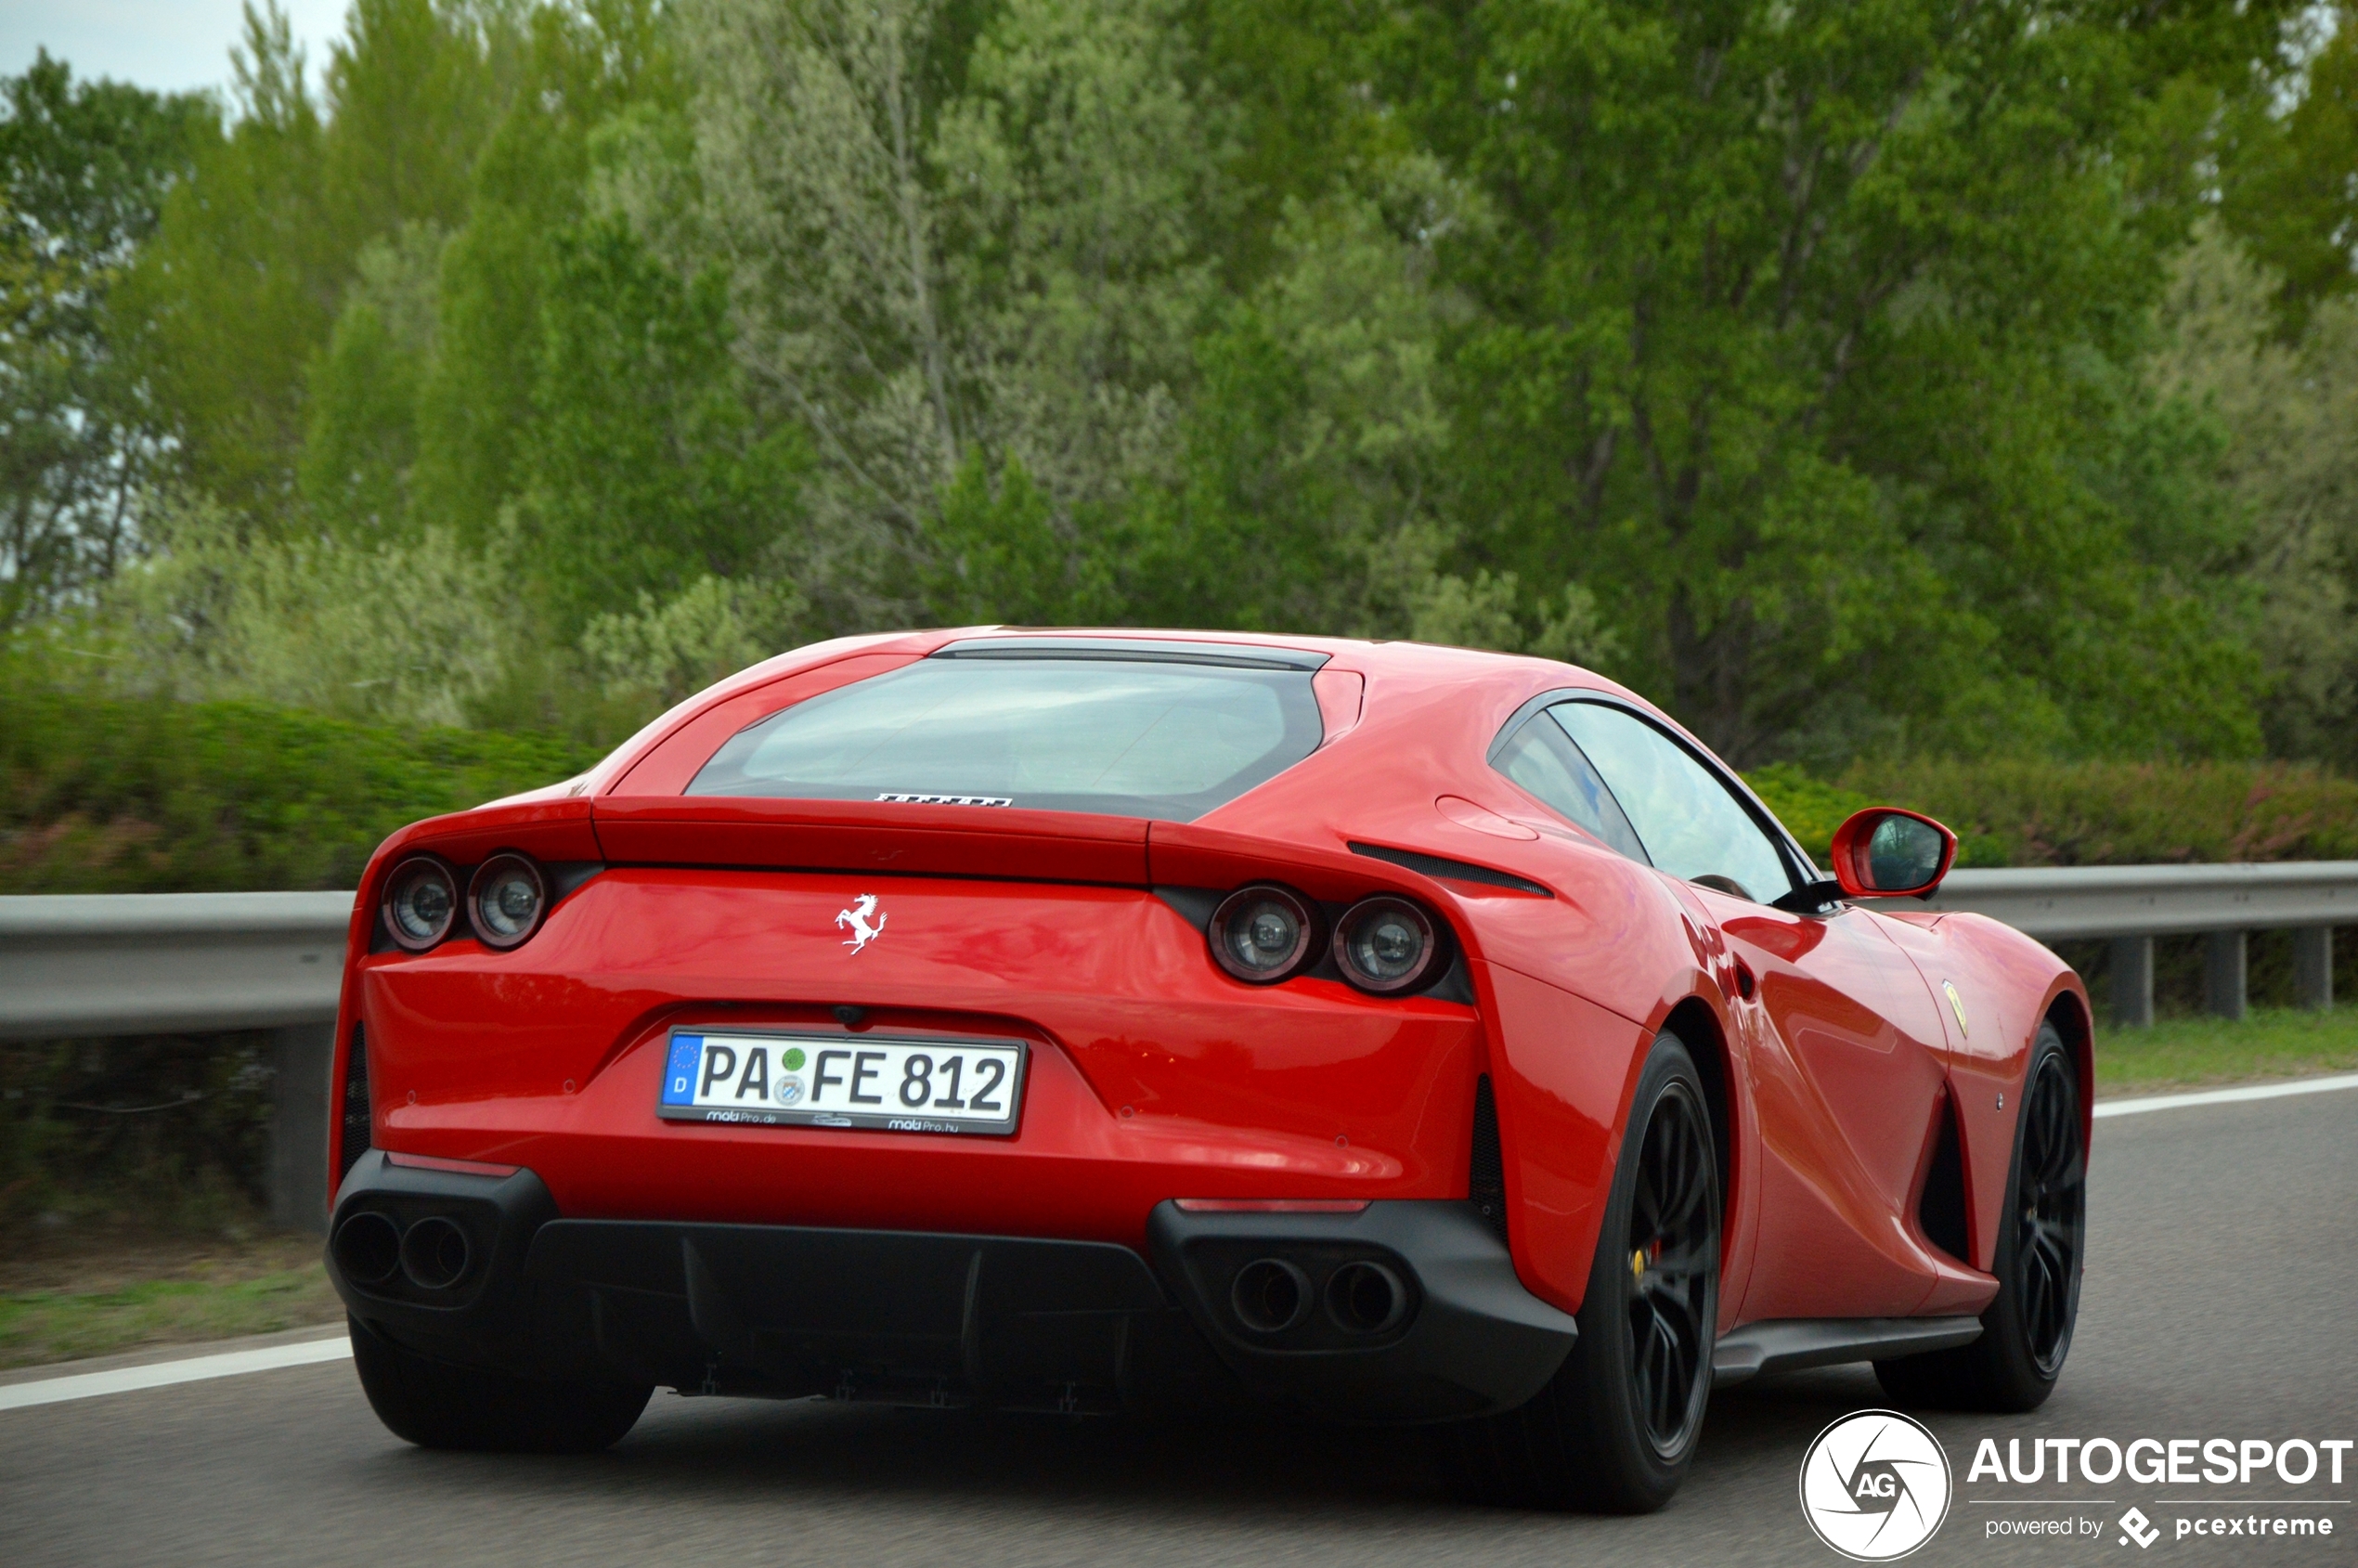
(1448, 870)
(1487, 1182)
(1941, 1211)
(355, 1103)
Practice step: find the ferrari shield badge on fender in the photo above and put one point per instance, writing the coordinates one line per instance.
(1956, 1005)
(858, 920)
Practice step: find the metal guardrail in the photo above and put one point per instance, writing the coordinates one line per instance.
(90, 965)
(93, 965)
(2062, 903)
(2132, 904)
(85, 966)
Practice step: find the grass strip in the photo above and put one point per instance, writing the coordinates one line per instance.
(2188, 1053)
(39, 1327)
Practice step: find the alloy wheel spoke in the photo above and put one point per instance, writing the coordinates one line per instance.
(2053, 1205)
(1674, 1241)
(1683, 1261)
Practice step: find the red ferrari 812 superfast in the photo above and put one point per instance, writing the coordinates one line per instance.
(1082, 1022)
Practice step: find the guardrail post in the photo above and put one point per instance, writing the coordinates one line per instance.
(2224, 972)
(2132, 983)
(2313, 968)
(299, 1126)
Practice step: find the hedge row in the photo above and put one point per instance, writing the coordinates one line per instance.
(111, 795)
(101, 795)
(2032, 812)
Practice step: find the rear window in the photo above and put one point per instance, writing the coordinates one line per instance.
(1101, 734)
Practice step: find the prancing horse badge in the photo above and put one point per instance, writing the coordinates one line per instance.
(856, 920)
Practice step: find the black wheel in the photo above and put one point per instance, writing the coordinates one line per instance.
(438, 1405)
(2026, 1331)
(1615, 1429)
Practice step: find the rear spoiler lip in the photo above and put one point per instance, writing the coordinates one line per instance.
(1137, 650)
(866, 837)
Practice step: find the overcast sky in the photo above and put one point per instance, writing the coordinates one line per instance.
(169, 45)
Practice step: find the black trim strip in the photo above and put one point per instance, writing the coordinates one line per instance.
(1142, 650)
(356, 1114)
(1486, 1178)
(1790, 1344)
(1454, 871)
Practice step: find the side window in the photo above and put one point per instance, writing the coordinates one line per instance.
(1541, 758)
(1691, 826)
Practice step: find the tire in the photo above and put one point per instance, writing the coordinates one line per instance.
(2026, 1331)
(435, 1404)
(1615, 1428)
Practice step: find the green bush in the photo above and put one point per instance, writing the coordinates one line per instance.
(2031, 813)
(104, 793)
(1810, 808)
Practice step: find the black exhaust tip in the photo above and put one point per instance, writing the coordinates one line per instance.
(434, 1254)
(1366, 1298)
(368, 1248)
(1270, 1295)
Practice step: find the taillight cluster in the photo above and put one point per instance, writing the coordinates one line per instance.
(1264, 933)
(506, 898)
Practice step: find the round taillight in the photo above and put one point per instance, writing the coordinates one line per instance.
(1385, 945)
(1263, 934)
(505, 900)
(421, 902)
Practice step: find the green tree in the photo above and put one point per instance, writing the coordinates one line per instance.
(2282, 438)
(2288, 192)
(365, 391)
(1317, 436)
(84, 168)
(1806, 335)
(951, 239)
(238, 294)
(582, 67)
(644, 468)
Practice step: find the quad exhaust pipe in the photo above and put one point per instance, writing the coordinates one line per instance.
(1272, 1295)
(1364, 1298)
(368, 1248)
(432, 1254)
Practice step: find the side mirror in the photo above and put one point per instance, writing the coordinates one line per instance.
(1883, 852)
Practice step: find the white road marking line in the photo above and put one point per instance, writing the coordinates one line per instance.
(2226, 1097)
(162, 1374)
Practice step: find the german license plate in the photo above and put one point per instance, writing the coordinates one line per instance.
(881, 1082)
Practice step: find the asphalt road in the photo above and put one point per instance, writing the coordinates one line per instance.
(2222, 1301)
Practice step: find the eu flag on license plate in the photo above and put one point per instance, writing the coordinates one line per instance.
(680, 1076)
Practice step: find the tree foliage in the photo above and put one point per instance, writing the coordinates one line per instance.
(1803, 332)
(83, 167)
(1855, 378)
(2283, 451)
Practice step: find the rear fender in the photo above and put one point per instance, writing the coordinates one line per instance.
(550, 830)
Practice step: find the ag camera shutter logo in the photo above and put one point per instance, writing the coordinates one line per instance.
(1875, 1486)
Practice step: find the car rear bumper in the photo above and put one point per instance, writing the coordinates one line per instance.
(1439, 1326)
